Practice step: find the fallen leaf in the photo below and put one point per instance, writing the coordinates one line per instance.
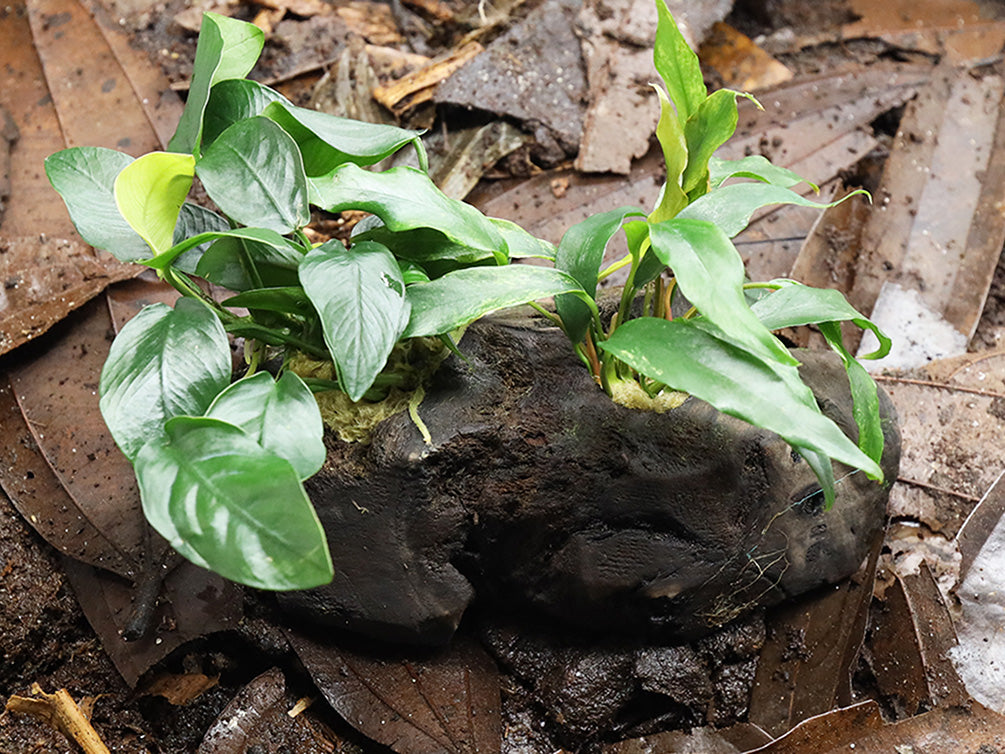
(739, 62)
(447, 702)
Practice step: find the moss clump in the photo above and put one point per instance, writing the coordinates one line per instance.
(409, 368)
(629, 393)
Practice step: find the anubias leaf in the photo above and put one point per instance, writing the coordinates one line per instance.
(235, 100)
(149, 193)
(254, 173)
(165, 362)
(228, 504)
(281, 415)
(677, 65)
(360, 296)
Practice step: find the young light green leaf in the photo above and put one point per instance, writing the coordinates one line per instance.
(463, 296)
(165, 362)
(686, 357)
(753, 166)
(281, 415)
(708, 128)
(731, 207)
(254, 173)
(580, 253)
(85, 178)
(149, 193)
(327, 141)
(710, 274)
(227, 49)
(795, 304)
(670, 134)
(404, 199)
(234, 100)
(677, 65)
(360, 296)
(226, 503)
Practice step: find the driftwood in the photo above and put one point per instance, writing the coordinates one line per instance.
(540, 495)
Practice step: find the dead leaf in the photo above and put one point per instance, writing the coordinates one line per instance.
(418, 87)
(260, 718)
(861, 728)
(739, 62)
(806, 664)
(448, 702)
(179, 688)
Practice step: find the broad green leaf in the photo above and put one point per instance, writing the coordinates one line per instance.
(794, 304)
(521, 244)
(240, 263)
(404, 199)
(670, 134)
(227, 49)
(277, 245)
(710, 274)
(753, 166)
(580, 253)
(280, 415)
(284, 299)
(425, 245)
(165, 362)
(465, 295)
(228, 504)
(412, 273)
(194, 220)
(677, 65)
(731, 207)
(254, 173)
(360, 296)
(327, 141)
(708, 128)
(149, 193)
(234, 100)
(85, 178)
(686, 357)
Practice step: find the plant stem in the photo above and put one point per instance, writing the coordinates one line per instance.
(614, 267)
(591, 354)
(555, 319)
(305, 242)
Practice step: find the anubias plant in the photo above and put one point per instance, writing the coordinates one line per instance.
(221, 464)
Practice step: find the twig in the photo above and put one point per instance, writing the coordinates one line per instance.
(935, 488)
(61, 712)
(942, 385)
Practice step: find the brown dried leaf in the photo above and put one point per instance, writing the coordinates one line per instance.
(806, 664)
(861, 728)
(179, 688)
(448, 702)
(739, 62)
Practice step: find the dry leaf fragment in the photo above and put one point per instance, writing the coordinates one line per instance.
(418, 87)
(741, 63)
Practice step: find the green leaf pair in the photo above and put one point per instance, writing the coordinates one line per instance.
(214, 460)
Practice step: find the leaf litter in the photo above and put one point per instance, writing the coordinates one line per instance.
(905, 637)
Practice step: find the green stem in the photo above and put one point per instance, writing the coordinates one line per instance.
(305, 242)
(554, 318)
(614, 267)
(420, 153)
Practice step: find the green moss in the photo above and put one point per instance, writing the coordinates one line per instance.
(411, 365)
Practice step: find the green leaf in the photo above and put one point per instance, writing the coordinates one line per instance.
(241, 262)
(412, 273)
(194, 220)
(689, 358)
(404, 199)
(710, 274)
(227, 49)
(731, 207)
(327, 141)
(149, 193)
(753, 166)
(670, 134)
(85, 178)
(234, 100)
(795, 304)
(677, 65)
(580, 253)
(228, 504)
(254, 173)
(165, 362)
(521, 244)
(463, 296)
(708, 128)
(280, 415)
(284, 299)
(425, 245)
(360, 296)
